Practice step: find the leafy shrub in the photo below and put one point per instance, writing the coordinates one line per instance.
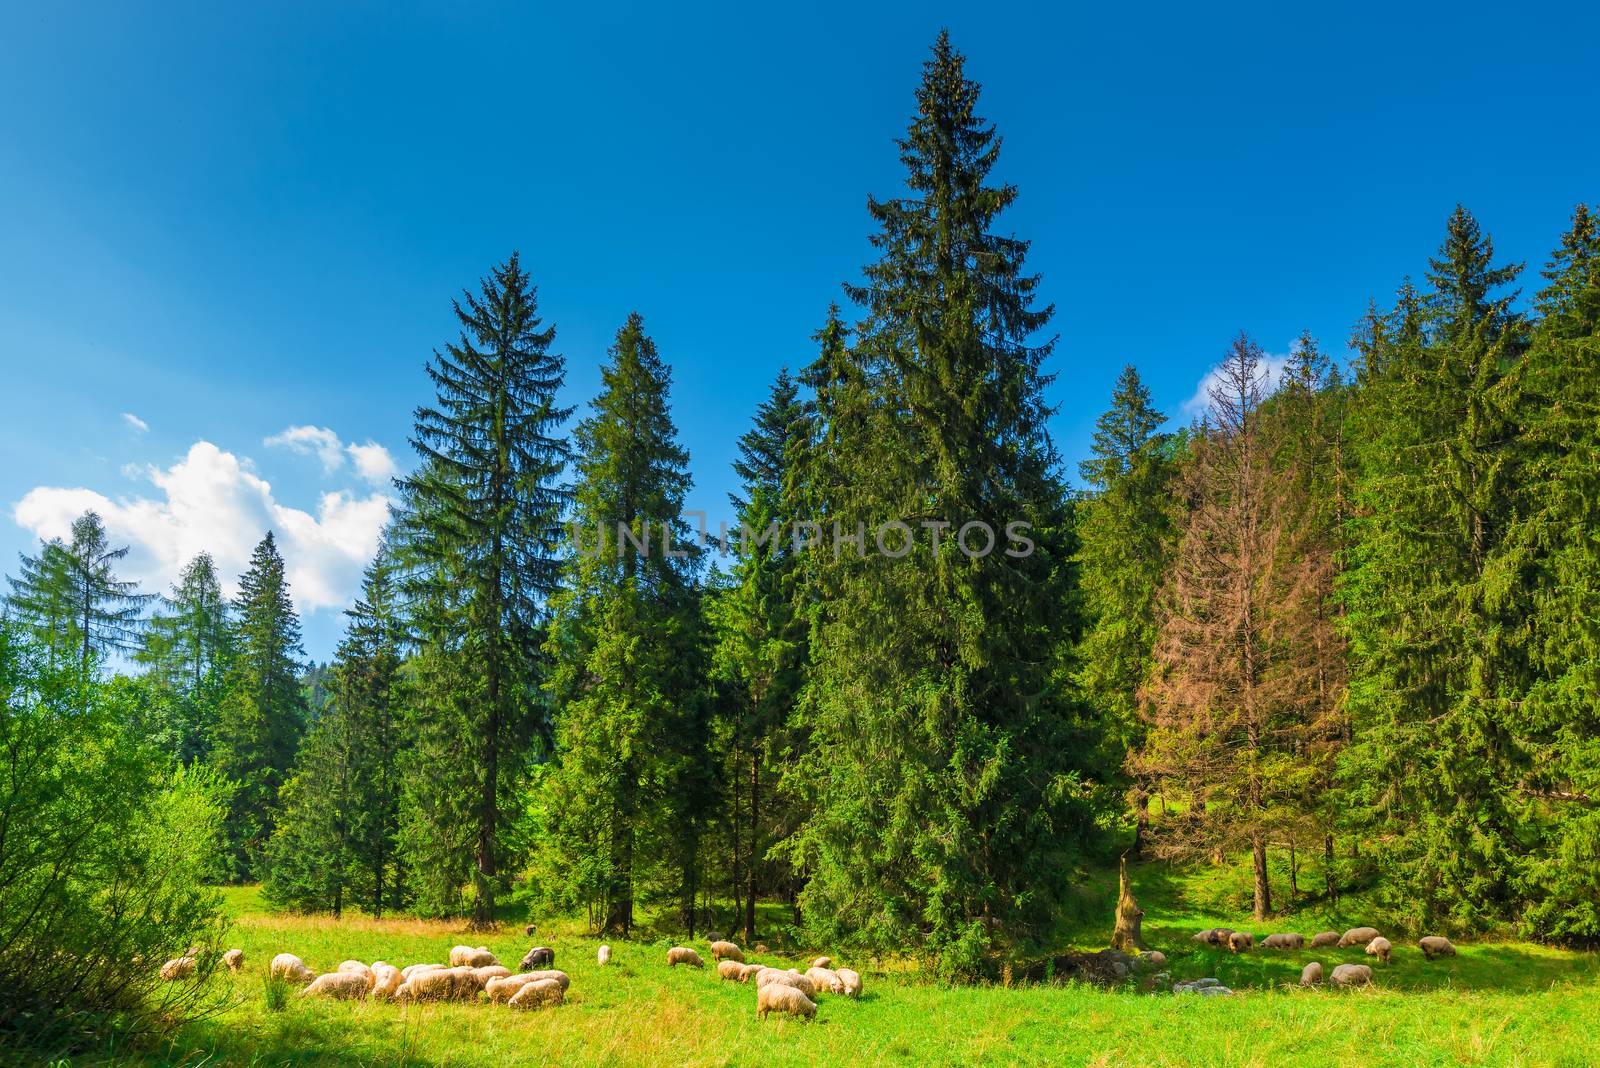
(104, 848)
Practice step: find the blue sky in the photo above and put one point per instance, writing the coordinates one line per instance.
(232, 220)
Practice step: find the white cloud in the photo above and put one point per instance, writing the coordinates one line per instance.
(212, 501)
(372, 461)
(137, 425)
(312, 440)
(1272, 374)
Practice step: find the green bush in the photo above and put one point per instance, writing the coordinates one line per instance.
(105, 847)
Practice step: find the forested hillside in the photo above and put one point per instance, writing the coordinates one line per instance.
(1347, 622)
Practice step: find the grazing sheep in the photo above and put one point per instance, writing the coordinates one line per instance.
(768, 976)
(346, 985)
(731, 970)
(1436, 946)
(411, 969)
(1324, 938)
(822, 962)
(290, 967)
(1311, 974)
(493, 971)
(234, 959)
(1357, 936)
(472, 957)
(750, 971)
(604, 956)
(551, 973)
(386, 979)
(726, 951)
(1240, 941)
(1379, 947)
(851, 981)
(1352, 975)
(528, 930)
(178, 968)
(537, 957)
(504, 988)
(356, 967)
(537, 994)
(776, 997)
(1215, 936)
(825, 979)
(1284, 941)
(437, 984)
(684, 955)
(1155, 958)
(761, 947)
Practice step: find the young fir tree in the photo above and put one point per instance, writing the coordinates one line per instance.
(1435, 618)
(335, 838)
(760, 640)
(186, 652)
(72, 598)
(1127, 536)
(623, 810)
(263, 713)
(948, 760)
(480, 535)
(1554, 546)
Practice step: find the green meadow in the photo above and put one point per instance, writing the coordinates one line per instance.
(1498, 1003)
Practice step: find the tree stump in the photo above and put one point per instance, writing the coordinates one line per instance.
(1127, 936)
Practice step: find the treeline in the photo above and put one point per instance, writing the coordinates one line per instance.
(1349, 613)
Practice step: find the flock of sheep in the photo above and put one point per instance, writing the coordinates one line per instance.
(1345, 974)
(474, 971)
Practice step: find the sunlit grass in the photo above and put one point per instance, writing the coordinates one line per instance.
(1496, 1004)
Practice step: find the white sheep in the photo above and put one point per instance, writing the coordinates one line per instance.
(347, 985)
(822, 962)
(825, 979)
(538, 993)
(1352, 975)
(603, 956)
(726, 951)
(1357, 936)
(731, 970)
(289, 967)
(1311, 974)
(1381, 948)
(1436, 946)
(472, 957)
(851, 980)
(684, 955)
(386, 979)
(768, 976)
(776, 997)
(178, 968)
(234, 959)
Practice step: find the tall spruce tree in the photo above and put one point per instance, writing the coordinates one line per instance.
(1435, 613)
(623, 810)
(335, 838)
(186, 651)
(1554, 548)
(950, 758)
(1127, 537)
(263, 713)
(760, 638)
(480, 534)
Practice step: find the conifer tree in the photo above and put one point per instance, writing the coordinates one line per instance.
(480, 534)
(759, 634)
(336, 836)
(631, 794)
(186, 651)
(70, 595)
(949, 759)
(1127, 538)
(263, 712)
(1434, 618)
(1554, 548)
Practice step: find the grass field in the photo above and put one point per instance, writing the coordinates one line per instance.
(1496, 1004)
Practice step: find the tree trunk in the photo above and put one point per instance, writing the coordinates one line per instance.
(1333, 884)
(1141, 826)
(1294, 875)
(1130, 916)
(1258, 849)
(755, 846)
(488, 807)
